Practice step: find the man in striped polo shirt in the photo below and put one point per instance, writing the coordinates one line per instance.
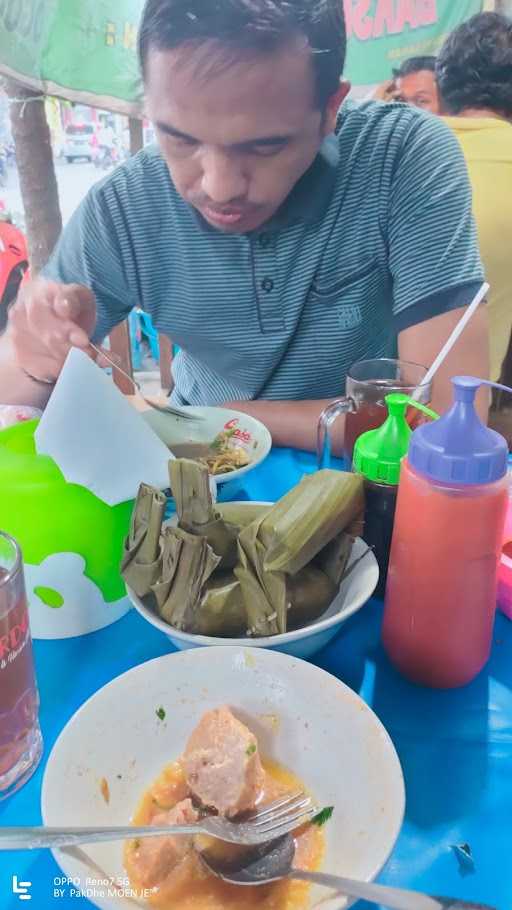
(274, 247)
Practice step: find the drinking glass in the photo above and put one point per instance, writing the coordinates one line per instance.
(21, 743)
(367, 384)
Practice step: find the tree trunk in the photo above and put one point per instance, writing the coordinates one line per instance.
(36, 172)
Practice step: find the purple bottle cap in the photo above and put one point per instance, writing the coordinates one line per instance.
(458, 448)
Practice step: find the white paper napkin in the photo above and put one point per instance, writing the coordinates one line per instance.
(96, 437)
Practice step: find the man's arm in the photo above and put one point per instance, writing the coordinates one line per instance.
(46, 320)
(15, 386)
(294, 423)
(434, 258)
(468, 357)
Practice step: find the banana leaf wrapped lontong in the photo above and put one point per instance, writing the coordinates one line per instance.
(241, 568)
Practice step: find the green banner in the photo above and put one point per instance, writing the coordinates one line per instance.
(383, 33)
(84, 50)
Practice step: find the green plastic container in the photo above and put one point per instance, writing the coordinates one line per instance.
(71, 540)
(378, 456)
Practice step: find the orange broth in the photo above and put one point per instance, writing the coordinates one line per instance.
(191, 887)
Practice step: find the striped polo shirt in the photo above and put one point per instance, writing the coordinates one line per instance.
(377, 236)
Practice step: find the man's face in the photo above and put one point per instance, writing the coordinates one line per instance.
(420, 90)
(236, 138)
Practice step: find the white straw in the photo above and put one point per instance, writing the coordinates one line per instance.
(457, 332)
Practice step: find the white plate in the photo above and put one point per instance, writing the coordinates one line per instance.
(252, 435)
(354, 592)
(303, 717)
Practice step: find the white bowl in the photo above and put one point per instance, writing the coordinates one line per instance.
(303, 717)
(253, 435)
(354, 592)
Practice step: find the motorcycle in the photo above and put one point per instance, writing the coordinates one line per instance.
(107, 157)
(13, 262)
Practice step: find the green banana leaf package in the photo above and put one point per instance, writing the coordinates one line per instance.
(141, 562)
(242, 569)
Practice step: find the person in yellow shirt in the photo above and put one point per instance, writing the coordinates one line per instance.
(474, 75)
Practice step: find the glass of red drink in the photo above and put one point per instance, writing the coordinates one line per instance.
(367, 384)
(21, 743)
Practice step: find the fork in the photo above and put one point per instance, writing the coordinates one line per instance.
(163, 408)
(276, 819)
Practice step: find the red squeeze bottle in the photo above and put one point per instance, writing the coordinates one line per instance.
(441, 589)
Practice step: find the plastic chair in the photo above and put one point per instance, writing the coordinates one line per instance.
(150, 332)
(120, 344)
(135, 339)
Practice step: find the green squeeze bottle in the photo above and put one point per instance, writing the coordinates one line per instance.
(377, 457)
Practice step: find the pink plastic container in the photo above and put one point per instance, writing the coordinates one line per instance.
(16, 413)
(505, 568)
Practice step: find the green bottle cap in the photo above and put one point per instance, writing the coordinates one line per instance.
(378, 453)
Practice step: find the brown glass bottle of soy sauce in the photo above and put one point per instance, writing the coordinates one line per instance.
(377, 457)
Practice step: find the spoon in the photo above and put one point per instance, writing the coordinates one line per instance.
(274, 860)
(162, 408)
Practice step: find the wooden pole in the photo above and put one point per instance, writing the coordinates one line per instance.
(36, 171)
(120, 345)
(136, 135)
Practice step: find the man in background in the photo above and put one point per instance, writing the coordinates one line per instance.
(414, 83)
(474, 74)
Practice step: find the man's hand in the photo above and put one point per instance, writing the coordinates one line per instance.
(47, 320)
(387, 91)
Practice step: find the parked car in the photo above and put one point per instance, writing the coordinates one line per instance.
(79, 142)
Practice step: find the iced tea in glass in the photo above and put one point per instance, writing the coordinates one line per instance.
(367, 384)
(21, 742)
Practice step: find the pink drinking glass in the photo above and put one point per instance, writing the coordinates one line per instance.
(21, 743)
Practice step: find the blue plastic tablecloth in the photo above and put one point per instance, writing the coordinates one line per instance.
(455, 747)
